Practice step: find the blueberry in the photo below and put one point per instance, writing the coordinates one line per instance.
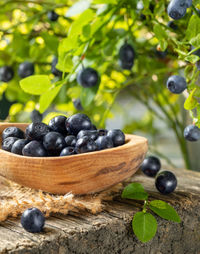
(12, 132)
(54, 70)
(102, 132)
(36, 131)
(91, 134)
(88, 77)
(150, 166)
(172, 25)
(25, 69)
(160, 54)
(198, 65)
(192, 133)
(93, 127)
(85, 145)
(104, 142)
(126, 56)
(52, 15)
(8, 143)
(36, 117)
(57, 124)
(67, 151)
(188, 3)
(54, 142)
(77, 104)
(6, 73)
(126, 53)
(18, 146)
(70, 140)
(177, 8)
(166, 182)
(33, 220)
(176, 84)
(78, 122)
(34, 149)
(117, 136)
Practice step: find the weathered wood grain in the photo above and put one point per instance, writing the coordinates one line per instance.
(110, 231)
(80, 173)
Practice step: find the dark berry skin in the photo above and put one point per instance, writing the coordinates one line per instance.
(52, 15)
(26, 69)
(117, 137)
(126, 56)
(166, 182)
(34, 149)
(36, 117)
(78, 122)
(172, 25)
(54, 142)
(102, 132)
(36, 131)
(18, 146)
(85, 145)
(93, 127)
(12, 132)
(8, 143)
(192, 133)
(55, 71)
(88, 78)
(67, 151)
(150, 166)
(160, 54)
(70, 140)
(104, 142)
(176, 84)
(77, 104)
(33, 220)
(6, 73)
(177, 9)
(91, 134)
(57, 124)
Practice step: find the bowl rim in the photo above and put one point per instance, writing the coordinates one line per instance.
(129, 141)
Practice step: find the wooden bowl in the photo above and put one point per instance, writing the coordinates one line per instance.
(79, 174)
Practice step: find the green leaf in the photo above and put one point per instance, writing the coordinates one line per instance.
(78, 8)
(163, 44)
(164, 210)
(144, 226)
(36, 84)
(65, 63)
(135, 191)
(195, 41)
(191, 102)
(192, 58)
(47, 98)
(193, 28)
(86, 31)
(160, 32)
(84, 19)
(104, 1)
(87, 95)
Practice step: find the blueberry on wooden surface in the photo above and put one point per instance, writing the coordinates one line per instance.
(91, 134)
(70, 140)
(36, 131)
(57, 124)
(7, 143)
(166, 182)
(78, 122)
(33, 220)
(68, 151)
(12, 132)
(117, 137)
(104, 142)
(85, 145)
(18, 146)
(150, 166)
(54, 142)
(34, 149)
(36, 117)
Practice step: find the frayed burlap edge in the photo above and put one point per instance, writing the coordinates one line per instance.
(14, 199)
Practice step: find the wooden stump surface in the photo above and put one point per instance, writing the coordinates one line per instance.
(110, 231)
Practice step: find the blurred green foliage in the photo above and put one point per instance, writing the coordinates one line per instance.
(89, 33)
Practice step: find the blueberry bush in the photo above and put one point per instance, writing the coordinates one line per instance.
(63, 57)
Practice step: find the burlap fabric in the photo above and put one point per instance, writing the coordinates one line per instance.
(14, 199)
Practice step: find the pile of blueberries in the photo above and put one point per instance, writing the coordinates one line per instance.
(61, 137)
(165, 181)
